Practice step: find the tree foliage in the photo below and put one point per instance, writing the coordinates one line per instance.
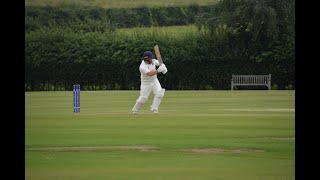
(259, 30)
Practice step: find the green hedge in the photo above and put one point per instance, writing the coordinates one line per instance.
(57, 58)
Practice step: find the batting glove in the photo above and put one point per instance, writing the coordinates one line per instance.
(161, 68)
(165, 71)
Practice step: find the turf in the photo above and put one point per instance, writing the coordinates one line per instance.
(259, 120)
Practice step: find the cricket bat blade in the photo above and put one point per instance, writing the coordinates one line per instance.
(158, 55)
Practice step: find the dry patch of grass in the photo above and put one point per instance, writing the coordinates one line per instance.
(263, 109)
(218, 150)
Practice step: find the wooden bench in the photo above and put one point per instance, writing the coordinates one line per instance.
(251, 80)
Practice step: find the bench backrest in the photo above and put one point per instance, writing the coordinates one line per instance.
(251, 80)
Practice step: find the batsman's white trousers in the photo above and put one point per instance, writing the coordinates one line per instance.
(145, 89)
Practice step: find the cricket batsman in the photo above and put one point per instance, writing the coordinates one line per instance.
(150, 82)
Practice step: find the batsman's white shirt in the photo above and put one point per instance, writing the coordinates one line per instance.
(145, 68)
(149, 83)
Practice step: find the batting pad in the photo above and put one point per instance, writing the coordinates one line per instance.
(157, 99)
(160, 93)
(142, 99)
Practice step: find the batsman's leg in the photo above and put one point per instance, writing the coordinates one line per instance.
(140, 101)
(144, 94)
(159, 93)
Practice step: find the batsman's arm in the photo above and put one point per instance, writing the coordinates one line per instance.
(159, 70)
(148, 72)
(152, 72)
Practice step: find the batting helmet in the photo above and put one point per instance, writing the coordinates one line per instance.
(148, 54)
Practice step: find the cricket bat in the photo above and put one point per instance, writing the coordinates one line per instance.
(158, 55)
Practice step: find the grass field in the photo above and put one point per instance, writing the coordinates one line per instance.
(258, 120)
(119, 3)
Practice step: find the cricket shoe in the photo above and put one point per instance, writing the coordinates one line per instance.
(134, 112)
(155, 111)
